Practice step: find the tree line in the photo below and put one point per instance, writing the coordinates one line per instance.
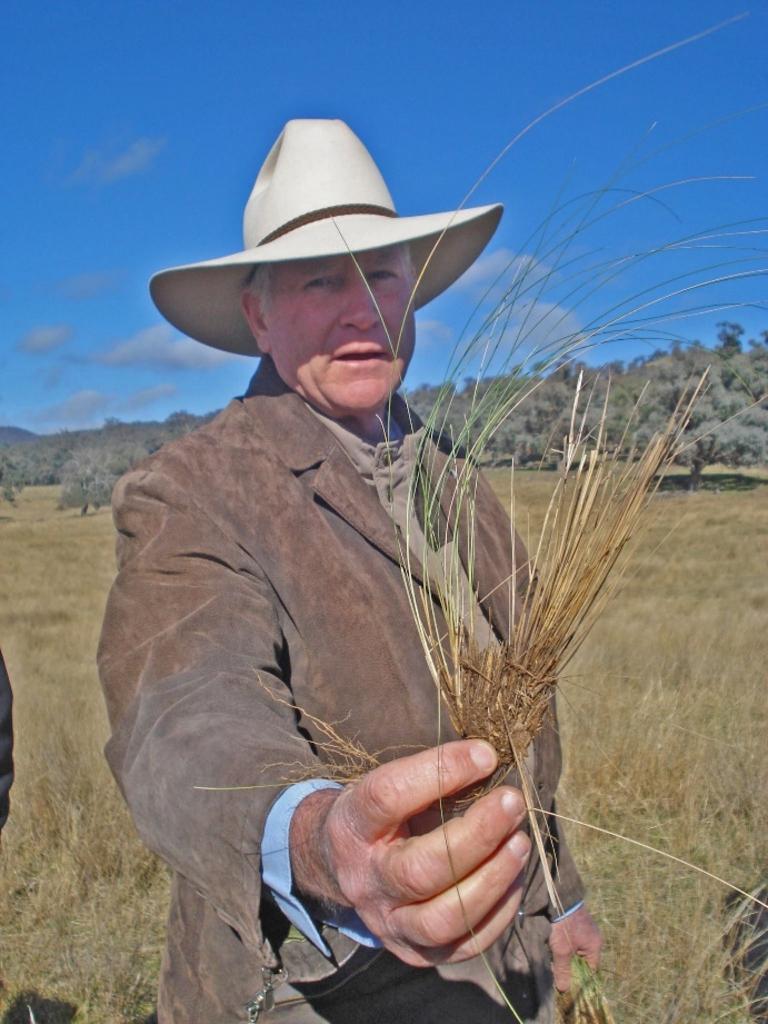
(87, 463)
(729, 425)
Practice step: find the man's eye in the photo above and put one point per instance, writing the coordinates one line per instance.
(318, 282)
(381, 275)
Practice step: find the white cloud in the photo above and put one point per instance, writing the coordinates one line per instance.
(87, 408)
(486, 269)
(43, 339)
(543, 327)
(495, 273)
(523, 293)
(146, 396)
(87, 285)
(160, 346)
(433, 332)
(79, 410)
(102, 166)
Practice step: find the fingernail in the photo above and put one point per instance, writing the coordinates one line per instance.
(483, 756)
(520, 845)
(512, 805)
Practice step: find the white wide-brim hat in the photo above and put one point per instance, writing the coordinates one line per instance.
(318, 193)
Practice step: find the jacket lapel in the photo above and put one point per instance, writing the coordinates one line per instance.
(340, 486)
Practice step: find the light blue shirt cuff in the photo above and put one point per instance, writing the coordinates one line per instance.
(568, 912)
(277, 876)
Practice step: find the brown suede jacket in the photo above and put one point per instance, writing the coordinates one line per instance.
(258, 574)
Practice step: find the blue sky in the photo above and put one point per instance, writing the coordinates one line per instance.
(133, 132)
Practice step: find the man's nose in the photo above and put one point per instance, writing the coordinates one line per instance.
(359, 307)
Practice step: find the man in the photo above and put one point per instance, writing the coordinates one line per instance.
(260, 594)
(6, 743)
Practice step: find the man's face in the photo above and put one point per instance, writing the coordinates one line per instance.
(329, 342)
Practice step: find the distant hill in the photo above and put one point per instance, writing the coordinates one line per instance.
(41, 458)
(16, 435)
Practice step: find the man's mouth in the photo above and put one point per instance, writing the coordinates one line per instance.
(362, 355)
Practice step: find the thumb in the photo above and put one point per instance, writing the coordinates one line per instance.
(392, 794)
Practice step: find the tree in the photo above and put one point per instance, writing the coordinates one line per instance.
(182, 422)
(90, 474)
(87, 479)
(729, 423)
(729, 337)
(11, 477)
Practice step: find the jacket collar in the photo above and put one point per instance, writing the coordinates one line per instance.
(284, 421)
(301, 442)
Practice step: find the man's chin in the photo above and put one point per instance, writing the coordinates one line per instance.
(366, 398)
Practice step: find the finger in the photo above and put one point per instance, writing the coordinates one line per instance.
(426, 865)
(491, 928)
(591, 953)
(578, 934)
(561, 972)
(452, 914)
(388, 796)
(471, 944)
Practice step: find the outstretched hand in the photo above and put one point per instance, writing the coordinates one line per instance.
(437, 896)
(576, 935)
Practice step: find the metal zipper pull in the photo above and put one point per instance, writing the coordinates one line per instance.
(264, 1000)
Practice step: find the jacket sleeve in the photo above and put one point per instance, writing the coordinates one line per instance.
(6, 742)
(568, 883)
(194, 671)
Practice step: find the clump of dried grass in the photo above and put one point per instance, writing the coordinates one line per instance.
(502, 692)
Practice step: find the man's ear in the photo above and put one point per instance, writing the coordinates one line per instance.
(251, 307)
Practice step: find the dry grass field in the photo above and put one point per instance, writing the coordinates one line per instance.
(81, 902)
(664, 715)
(665, 719)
